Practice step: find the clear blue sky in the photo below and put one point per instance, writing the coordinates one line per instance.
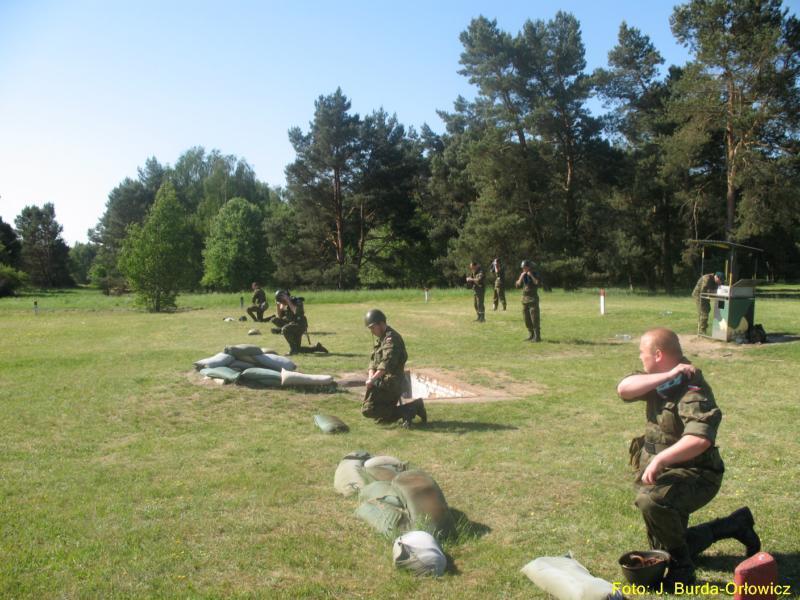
(90, 89)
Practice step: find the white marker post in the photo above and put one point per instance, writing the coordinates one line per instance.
(602, 301)
(426, 294)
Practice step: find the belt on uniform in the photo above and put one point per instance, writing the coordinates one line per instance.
(654, 449)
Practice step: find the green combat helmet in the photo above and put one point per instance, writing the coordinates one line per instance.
(527, 263)
(374, 316)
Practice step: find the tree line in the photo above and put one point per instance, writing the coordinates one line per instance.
(705, 150)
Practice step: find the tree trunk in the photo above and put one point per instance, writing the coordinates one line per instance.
(339, 219)
(730, 159)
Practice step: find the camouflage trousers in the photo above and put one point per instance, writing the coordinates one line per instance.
(478, 302)
(382, 401)
(530, 312)
(666, 507)
(293, 333)
(499, 297)
(703, 309)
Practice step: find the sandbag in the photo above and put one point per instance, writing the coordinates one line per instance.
(274, 362)
(567, 579)
(329, 423)
(258, 376)
(241, 365)
(384, 468)
(241, 350)
(218, 360)
(427, 508)
(225, 373)
(419, 552)
(350, 477)
(301, 379)
(382, 508)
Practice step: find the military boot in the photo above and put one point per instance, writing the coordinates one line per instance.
(537, 336)
(320, 348)
(419, 410)
(681, 569)
(739, 526)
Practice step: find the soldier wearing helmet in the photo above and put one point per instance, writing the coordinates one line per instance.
(291, 322)
(386, 377)
(260, 304)
(530, 280)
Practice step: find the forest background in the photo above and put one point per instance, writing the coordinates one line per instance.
(703, 150)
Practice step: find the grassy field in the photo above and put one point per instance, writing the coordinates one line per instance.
(122, 477)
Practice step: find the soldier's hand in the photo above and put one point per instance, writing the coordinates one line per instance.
(652, 472)
(369, 383)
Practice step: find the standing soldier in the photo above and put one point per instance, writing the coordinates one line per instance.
(386, 376)
(530, 280)
(291, 322)
(499, 285)
(707, 284)
(477, 281)
(260, 304)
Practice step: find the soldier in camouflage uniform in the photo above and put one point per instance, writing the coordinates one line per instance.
(679, 469)
(530, 280)
(291, 322)
(260, 304)
(499, 285)
(478, 282)
(386, 377)
(707, 284)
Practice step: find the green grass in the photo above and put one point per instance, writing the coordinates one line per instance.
(120, 477)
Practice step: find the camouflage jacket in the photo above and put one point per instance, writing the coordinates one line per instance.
(389, 354)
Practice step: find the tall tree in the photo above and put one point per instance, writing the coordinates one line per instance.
(81, 257)
(236, 249)
(320, 177)
(44, 253)
(153, 256)
(743, 81)
(10, 246)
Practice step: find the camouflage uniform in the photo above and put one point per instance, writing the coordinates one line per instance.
(530, 305)
(705, 285)
(382, 401)
(479, 289)
(682, 488)
(499, 296)
(292, 325)
(259, 302)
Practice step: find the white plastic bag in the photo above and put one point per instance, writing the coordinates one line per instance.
(419, 552)
(567, 579)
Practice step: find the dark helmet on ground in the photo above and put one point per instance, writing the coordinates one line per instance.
(281, 293)
(526, 263)
(374, 316)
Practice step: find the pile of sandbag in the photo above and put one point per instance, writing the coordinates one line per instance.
(395, 498)
(253, 365)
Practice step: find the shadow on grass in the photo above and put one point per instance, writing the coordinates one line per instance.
(782, 337)
(324, 354)
(463, 427)
(576, 342)
(463, 531)
(321, 333)
(788, 568)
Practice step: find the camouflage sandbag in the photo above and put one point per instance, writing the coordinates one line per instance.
(226, 374)
(295, 379)
(330, 424)
(274, 362)
(239, 351)
(424, 500)
(350, 476)
(384, 468)
(382, 508)
(258, 376)
(218, 360)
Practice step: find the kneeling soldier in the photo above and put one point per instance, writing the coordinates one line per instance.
(291, 322)
(387, 375)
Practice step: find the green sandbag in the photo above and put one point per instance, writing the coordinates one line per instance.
(384, 468)
(424, 500)
(225, 373)
(382, 508)
(239, 351)
(258, 376)
(350, 477)
(330, 424)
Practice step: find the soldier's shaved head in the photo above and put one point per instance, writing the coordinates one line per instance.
(666, 340)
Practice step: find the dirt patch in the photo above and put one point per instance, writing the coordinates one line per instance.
(455, 386)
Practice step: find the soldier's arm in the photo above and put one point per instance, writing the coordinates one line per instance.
(686, 448)
(637, 385)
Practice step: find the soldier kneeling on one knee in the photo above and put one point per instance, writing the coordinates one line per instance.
(386, 377)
